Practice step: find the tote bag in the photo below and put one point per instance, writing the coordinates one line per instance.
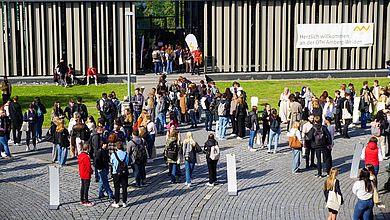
(345, 112)
(334, 200)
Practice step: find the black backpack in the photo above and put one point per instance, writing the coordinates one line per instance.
(108, 107)
(172, 151)
(122, 166)
(139, 153)
(274, 126)
(248, 120)
(320, 137)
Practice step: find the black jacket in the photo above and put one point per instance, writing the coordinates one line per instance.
(69, 110)
(15, 112)
(82, 110)
(337, 190)
(61, 138)
(3, 125)
(311, 137)
(42, 108)
(102, 159)
(254, 121)
(207, 147)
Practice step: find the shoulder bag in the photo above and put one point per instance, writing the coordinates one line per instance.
(334, 199)
(345, 112)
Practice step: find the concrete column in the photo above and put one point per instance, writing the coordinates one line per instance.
(239, 37)
(69, 33)
(263, 36)
(245, 37)
(50, 40)
(114, 38)
(205, 35)
(233, 37)
(295, 50)
(77, 38)
(278, 35)
(284, 36)
(257, 36)
(128, 47)
(250, 37)
(219, 36)
(43, 25)
(353, 50)
(2, 60)
(22, 46)
(378, 51)
(332, 51)
(121, 39)
(313, 21)
(359, 64)
(290, 32)
(226, 37)
(339, 55)
(300, 21)
(30, 8)
(363, 50)
(387, 54)
(14, 71)
(99, 33)
(37, 47)
(370, 56)
(103, 38)
(325, 52)
(306, 52)
(59, 32)
(84, 66)
(107, 44)
(345, 58)
(134, 42)
(319, 51)
(89, 37)
(270, 36)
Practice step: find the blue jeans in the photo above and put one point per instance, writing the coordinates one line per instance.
(139, 173)
(173, 171)
(189, 169)
(156, 67)
(193, 118)
(376, 169)
(296, 162)
(273, 136)
(363, 210)
(364, 118)
(252, 135)
(4, 143)
(39, 127)
(169, 67)
(209, 120)
(223, 121)
(136, 115)
(161, 122)
(62, 154)
(104, 186)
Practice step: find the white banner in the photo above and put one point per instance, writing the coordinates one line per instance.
(335, 35)
(191, 42)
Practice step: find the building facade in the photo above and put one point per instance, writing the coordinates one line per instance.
(236, 36)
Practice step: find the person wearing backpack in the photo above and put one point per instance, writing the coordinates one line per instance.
(320, 140)
(110, 112)
(61, 139)
(40, 109)
(190, 151)
(223, 116)
(136, 148)
(308, 152)
(241, 113)
(81, 134)
(172, 155)
(85, 171)
(120, 174)
(95, 141)
(274, 133)
(211, 149)
(252, 122)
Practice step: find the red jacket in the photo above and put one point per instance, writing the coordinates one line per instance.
(85, 169)
(371, 154)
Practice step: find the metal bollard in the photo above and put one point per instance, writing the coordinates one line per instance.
(54, 179)
(231, 174)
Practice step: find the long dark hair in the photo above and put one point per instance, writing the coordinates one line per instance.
(365, 176)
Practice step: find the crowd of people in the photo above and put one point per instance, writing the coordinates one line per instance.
(124, 134)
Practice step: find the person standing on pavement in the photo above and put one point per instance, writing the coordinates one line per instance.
(296, 151)
(210, 145)
(265, 117)
(309, 152)
(233, 119)
(381, 120)
(136, 148)
(347, 112)
(138, 101)
(120, 174)
(85, 171)
(102, 161)
(241, 113)
(161, 109)
(337, 111)
(205, 103)
(190, 151)
(16, 115)
(295, 110)
(3, 134)
(275, 122)
(40, 109)
(363, 189)
(284, 105)
(81, 108)
(172, 154)
(371, 154)
(253, 126)
(223, 110)
(332, 184)
(30, 116)
(320, 140)
(61, 140)
(70, 109)
(364, 105)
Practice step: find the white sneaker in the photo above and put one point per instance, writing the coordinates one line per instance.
(27, 149)
(232, 135)
(239, 138)
(16, 144)
(115, 205)
(124, 205)
(188, 185)
(149, 161)
(210, 184)
(252, 150)
(185, 183)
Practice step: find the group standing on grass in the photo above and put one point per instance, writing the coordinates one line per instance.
(125, 132)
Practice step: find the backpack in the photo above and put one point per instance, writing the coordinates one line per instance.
(214, 152)
(222, 109)
(108, 107)
(275, 125)
(375, 129)
(139, 153)
(248, 123)
(122, 166)
(172, 151)
(320, 138)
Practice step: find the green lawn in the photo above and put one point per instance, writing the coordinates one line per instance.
(267, 91)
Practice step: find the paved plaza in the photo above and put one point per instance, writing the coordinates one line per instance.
(266, 187)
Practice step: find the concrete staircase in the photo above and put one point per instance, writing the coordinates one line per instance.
(150, 80)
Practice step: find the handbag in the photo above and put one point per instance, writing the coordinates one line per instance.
(345, 112)
(294, 142)
(258, 138)
(334, 200)
(375, 195)
(24, 126)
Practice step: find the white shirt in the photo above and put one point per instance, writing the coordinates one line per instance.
(151, 127)
(294, 132)
(360, 191)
